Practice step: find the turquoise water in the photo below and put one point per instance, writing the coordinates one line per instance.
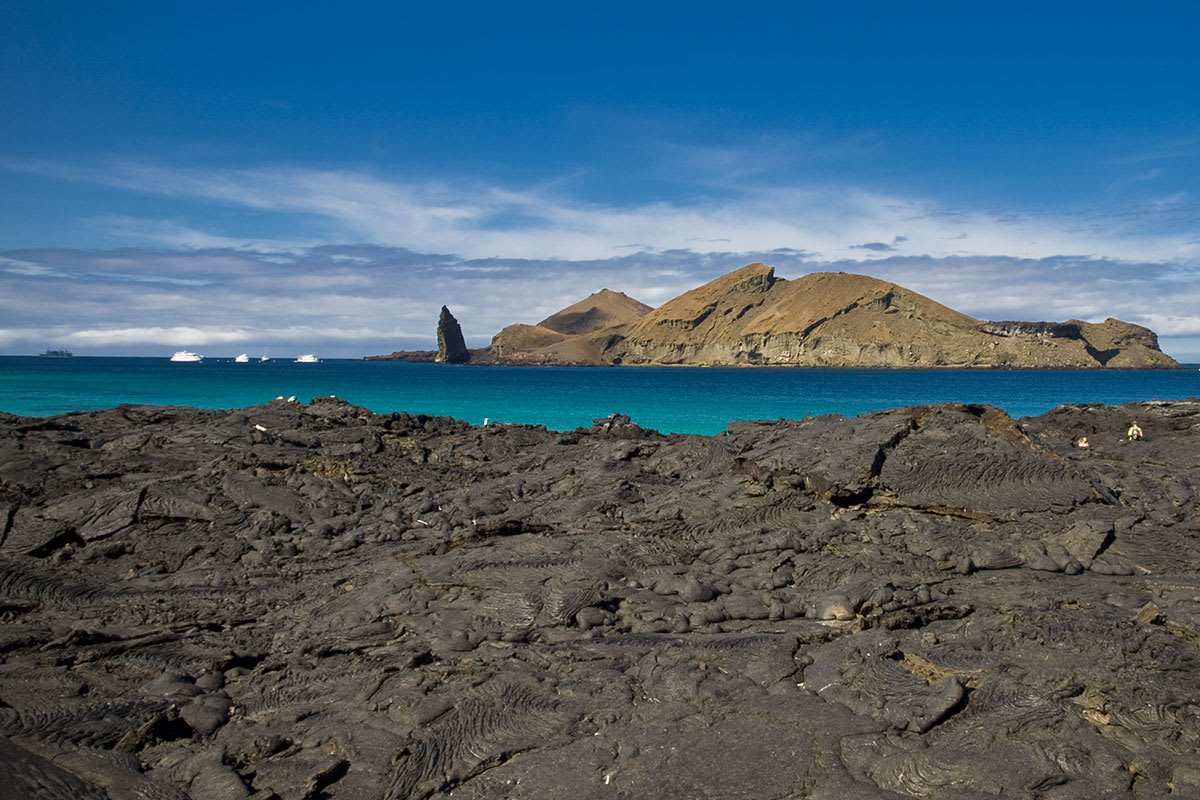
(672, 400)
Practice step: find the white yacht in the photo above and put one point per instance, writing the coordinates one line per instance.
(263, 359)
(186, 355)
(307, 358)
(243, 359)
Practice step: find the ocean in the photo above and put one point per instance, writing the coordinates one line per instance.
(669, 399)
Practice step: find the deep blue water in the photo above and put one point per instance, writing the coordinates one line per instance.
(673, 399)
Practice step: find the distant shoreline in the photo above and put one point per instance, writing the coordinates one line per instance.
(430, 357)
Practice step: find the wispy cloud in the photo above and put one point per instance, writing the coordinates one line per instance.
(762, 160)
(1176, 148)
(1141, 177)
(477, 220)
(167, 233)
(875, 247)
(28, 269)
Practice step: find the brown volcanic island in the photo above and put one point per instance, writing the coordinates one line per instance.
(749, 317)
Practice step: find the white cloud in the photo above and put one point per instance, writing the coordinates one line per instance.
(186, 336)
(175, 336)
(15, 266)
(171, 234)
(476, 220)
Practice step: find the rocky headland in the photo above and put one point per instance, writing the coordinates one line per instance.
(313, 601)
(576, 335)
(750, 317)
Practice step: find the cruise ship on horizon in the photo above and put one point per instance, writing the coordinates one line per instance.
(186, 355)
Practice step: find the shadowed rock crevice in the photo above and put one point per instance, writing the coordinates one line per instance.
(1102, 356)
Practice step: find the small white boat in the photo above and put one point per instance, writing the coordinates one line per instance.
(307, 358)
(243, 359)
(263, 359)
(186, 355)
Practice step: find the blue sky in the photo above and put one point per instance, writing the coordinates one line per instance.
(299, 177)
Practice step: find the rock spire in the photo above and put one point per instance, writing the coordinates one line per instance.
(452, 348)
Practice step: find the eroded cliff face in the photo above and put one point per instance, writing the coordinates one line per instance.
(751, 317)
(836, 349)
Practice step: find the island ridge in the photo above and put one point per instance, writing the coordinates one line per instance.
(750, 317)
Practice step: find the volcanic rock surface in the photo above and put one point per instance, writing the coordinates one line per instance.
(312, 601)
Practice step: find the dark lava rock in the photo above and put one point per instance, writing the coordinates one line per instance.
(314, 601)
(452, 347)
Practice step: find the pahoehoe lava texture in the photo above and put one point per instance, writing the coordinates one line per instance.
(312, 601)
